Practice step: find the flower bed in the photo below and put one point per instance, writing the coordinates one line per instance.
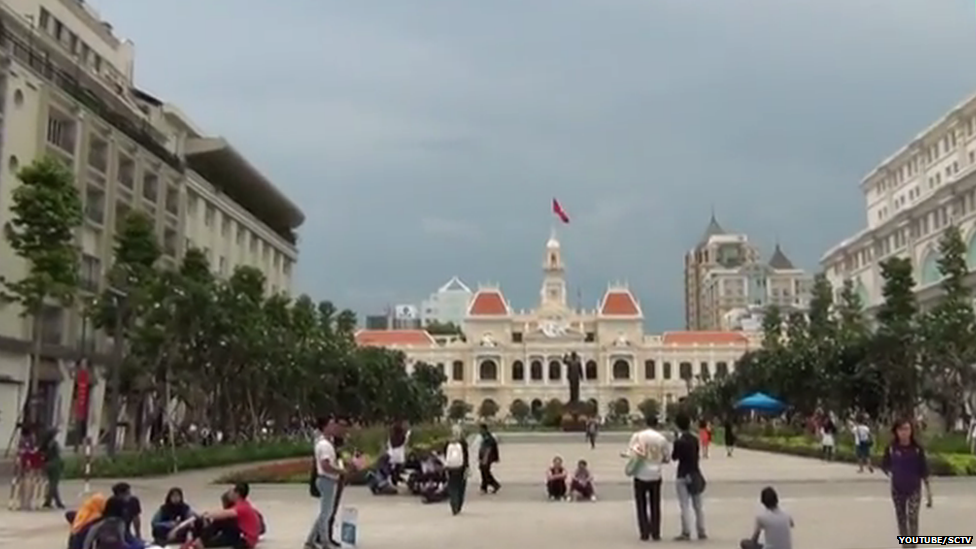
(163, 461)
(943, 464)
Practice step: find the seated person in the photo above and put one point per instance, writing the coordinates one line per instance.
(238, 525)
(358, 461)
(774, 524)
(111, 530)
(433, 485)
(380, 479)
(556, 479)
(81, 521)
(581, 486)
(430, 470)
(172, 512)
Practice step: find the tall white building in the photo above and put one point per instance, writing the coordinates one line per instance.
(67, 90)
(909, 199)
(448, 304)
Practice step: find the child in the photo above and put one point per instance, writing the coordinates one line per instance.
(704, 437)
(774, 524)
(582, 483)
(827, 432)
(556, 480)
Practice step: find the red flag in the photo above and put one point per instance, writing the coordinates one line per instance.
(558, 210)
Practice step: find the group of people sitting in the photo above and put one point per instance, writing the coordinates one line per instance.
(578, 487)
(423, 476)
(114, 522)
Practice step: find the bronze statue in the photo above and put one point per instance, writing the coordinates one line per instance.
(574, 371)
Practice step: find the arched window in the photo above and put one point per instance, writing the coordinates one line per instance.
(721, 369)
(706, 372)
(535, 370)
(684, 371)
(555, 370)
(457, 370)
(650, 369)
(488, 370)
(590, 372)
(666, 373)
(518, 371)
(621, 369)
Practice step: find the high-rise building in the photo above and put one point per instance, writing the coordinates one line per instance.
(449, 304)
(725, 273)
(67, 91)
(910, 199)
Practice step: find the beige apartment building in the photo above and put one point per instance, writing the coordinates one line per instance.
(725, 276)
(66, 90)
(510, 354)
(909, 200)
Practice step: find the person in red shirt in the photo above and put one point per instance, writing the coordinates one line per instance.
(238, 525)
(30, 463)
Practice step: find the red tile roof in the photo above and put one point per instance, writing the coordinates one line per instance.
(705, 338)
(393, 338)
(619, 303)
(488, 303)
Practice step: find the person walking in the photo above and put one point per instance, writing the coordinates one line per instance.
(689, 482)
(904, 462)
(862, 444)
(53, 468)
(329, 473)
(456, 461)
(488, 456)
(591, 431)
(646, 453)
(338, 441)
(729, 429)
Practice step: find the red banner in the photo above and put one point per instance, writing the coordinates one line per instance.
(82, 388)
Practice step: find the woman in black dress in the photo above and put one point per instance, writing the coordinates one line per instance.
(729, 437)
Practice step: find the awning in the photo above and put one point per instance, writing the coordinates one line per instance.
(227, 170)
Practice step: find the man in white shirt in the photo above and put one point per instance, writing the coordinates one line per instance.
(650, 450)
(329, 472)
(862, 444)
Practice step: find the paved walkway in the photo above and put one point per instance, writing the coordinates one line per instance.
(834, 506)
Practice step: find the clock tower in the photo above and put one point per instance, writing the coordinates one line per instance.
(554, 281)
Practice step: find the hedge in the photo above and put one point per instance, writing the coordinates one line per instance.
(161, 461)
(940, 463)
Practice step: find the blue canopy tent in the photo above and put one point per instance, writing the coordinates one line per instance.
(760, 402)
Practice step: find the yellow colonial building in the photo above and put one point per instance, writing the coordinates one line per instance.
(508, 355)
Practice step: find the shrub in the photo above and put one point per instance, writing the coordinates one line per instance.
(940, 464)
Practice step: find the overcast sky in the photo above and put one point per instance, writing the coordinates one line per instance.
(426, 138)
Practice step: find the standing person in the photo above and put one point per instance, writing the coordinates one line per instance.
(53, 467)
(328, 475)
(338, 441)
(862, 444)
(729, 429)
(488, 456)
(647, 452)
(689, 482)
(29, 460)
(397, 449)
(905, 463)
(704, 437)
(591, 430)
(827, 441)
(456, 460)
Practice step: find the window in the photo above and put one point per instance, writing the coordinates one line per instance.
(650, 369)
(90, 273)
(516, 337)
(52, 325)
(170, 241)
(97, 63)
(705, 372)
(555, 370)
(95, 204)
(457, 370)
(684, 371)
(127, 172)
(44, 21)
(621, 369)
(61, 131)
(590, 371)
(239, 235)
(98, 154)
(58, 30)
(225, 226)
(666, 371)
(208, 217)
(590, 337)
(173, 200)
(721, 369)
(122, 210)
(518, 371)
(535, 370)
(150, 187)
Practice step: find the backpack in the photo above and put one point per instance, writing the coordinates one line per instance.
(109, 535)
(454, 457)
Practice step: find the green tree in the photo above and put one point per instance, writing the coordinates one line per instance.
(772, 327)
(552, 413)
(619, 409)
(445, 328)
(948, 333)
(459, 410)
(895, 345)
(45, 211)
(649, 408)
(519, 411)
(822, 327)
(488, 409)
